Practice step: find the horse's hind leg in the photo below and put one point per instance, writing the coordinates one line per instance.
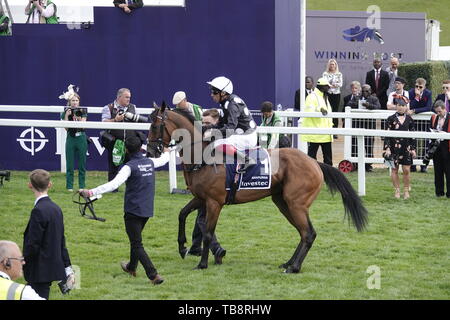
(191, 206)
(297, 215)
(283, 207)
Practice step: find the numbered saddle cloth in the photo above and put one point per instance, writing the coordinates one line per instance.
(256, 176)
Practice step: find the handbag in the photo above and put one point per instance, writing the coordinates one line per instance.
(118, 152)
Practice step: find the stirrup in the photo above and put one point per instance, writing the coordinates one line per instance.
(242, 168)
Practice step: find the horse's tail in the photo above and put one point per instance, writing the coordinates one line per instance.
(354, 208)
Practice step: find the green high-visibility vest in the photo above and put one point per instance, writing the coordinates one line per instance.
(10, 290)
(6, 32)
(51, 20)
(275, 119)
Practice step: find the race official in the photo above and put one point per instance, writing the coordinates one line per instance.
(11, 262)
(139, 176)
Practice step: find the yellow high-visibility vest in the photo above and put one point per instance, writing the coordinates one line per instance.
(313, 103)
(10, 290)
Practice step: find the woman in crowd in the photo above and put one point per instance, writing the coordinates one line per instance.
(400, 150)
(76, 142)
(336, 81)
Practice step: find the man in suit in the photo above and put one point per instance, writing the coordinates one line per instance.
(128, 5)
(445, 95)
(420, 101)
(309, 87)
(44, 244)
(378, 79)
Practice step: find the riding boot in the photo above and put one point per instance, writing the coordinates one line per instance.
(244, 161)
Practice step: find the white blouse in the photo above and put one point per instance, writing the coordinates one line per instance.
(335, 79)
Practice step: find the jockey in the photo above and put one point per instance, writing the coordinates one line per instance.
(236, 125)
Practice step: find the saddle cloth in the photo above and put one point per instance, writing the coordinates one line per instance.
(256, 176)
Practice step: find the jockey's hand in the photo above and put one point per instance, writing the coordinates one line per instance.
(324, 111)
(207, 135)
(85, 192)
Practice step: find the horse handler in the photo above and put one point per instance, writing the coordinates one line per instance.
(138, 174)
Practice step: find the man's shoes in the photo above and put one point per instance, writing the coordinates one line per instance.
(369, 168)
(195, 252)
(413, 168)
(157, 280)
(423, 169)
(218, 256)
(124, 266)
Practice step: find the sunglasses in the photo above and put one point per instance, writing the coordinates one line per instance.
(445, 88)
(420, 87)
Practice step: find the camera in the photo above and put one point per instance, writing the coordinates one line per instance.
(136, 117)
(4, 174)
(434, 145)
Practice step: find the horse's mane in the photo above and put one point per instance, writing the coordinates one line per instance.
(185, 114)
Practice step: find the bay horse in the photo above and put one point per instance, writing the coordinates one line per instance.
(295, 186)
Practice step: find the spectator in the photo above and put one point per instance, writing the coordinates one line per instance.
(378, 80)
(441, 157)
(420, 101)
(336, 81)
(352, 100)
(445, 95)
(11, 262)
(4, 24)
(41, 11)
(309, 87)
(128, 5)
(76, 142)
(210, 119)
(271, 119)
(365, 101)
(400, 150)
(115, 112)
(138, 173)
(393, 73)
(44, 244)
(317, 101)
(236, 118)
(180, 102)
(399, 91)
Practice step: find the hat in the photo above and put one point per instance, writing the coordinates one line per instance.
(178, 97)
(400, 79)
(322, 82)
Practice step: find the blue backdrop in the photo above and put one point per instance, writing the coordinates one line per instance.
(155, 51)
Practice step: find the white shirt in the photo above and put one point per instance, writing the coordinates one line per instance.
(39, 198)
(125, 173)
(28, 293)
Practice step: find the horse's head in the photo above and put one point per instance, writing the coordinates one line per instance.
(159, 136)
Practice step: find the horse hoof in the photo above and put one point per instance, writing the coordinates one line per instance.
(200, 267)
(183, 253)
(290, 269)
(284, 266)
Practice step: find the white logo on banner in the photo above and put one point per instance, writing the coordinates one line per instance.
(40, 141)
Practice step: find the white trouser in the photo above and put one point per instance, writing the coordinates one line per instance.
(239, 141)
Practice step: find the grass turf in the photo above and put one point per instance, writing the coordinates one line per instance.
(408, 241)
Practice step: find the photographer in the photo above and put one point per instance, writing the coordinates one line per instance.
(41, 11)
(4, 24)
(441, 156)
(76, 142)
(115, 112)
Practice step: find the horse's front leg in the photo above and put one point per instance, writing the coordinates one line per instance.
(195, 203)
(212, 215)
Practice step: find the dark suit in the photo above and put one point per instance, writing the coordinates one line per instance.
(442, 98)
(44, 247)
(441, 159)
(382, 87)
(297, 98)
(374, 104)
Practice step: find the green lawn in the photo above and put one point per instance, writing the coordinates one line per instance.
(435, 9)
(407, 240)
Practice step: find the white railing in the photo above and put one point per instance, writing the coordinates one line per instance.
(347, 132)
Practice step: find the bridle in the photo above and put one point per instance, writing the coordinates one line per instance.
(160, 144)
